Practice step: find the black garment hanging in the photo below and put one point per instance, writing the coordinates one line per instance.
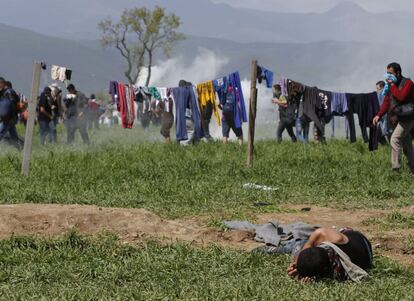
(365, 105)
(317, 106)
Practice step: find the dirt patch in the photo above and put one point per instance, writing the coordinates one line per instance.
(132, 225)
(136, 225)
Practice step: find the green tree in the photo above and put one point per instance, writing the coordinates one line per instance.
(138, 35)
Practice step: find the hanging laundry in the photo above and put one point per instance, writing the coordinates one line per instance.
(68, 74)
(143, 98)
(221, 86)
(186, 107)
(165, 93)
(365, 105)
(295, 90)
(316, 106)
(240, 113)
(373, 138)
(154, 93)
(61, 73)
(207, 101)
(265, 74)
(113, 91)
(126, 105)
(339, 104)
(283, 82)
(165, 109)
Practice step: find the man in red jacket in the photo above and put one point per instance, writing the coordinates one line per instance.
(401, 90)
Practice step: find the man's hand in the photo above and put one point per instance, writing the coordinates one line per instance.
(292, 270)
(375, 120)
(391, 78)
(80, 114)
(306, 280)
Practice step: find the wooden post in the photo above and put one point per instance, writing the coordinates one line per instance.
(28, 140)
(252, 114)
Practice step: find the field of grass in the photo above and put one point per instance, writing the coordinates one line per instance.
(130, 169)
(124, 169)
(77, 268)
(394, 220)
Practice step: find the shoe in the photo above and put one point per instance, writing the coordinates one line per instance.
(266, 250)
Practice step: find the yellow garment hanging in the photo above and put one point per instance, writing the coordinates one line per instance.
(206, 95)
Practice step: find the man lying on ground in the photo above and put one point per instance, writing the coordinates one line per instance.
(327, 253)
(339, 255)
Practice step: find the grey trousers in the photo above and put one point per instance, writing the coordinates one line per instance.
(73, 124)
(401, 140)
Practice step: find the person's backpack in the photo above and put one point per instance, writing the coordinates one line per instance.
(405, 110)
(229, 105)
(7, 107)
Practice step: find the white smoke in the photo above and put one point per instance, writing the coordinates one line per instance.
(205, 66)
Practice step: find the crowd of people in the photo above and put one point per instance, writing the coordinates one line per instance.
(298, 127)
(394, 121)
(74, 110)
(80, 113)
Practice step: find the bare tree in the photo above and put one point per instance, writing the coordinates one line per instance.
(138, 35)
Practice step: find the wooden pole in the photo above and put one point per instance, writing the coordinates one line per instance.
(28, 140)
(252, 114)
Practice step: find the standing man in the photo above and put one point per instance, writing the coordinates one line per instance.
(400, 93)
(93, 113)
(47, 116)
(75, 106)
(8, 115)
(228, 119)
(287, 114)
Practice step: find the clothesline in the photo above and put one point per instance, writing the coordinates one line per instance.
(318, 105)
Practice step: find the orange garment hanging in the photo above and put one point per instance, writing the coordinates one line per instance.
(206, 95)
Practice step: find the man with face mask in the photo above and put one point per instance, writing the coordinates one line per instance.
(400, 91)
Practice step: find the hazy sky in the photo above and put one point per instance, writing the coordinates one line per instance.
(321, 5)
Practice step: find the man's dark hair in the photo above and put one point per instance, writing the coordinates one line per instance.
(396, 67)
(313, 262)
(92, 96)
(47, 90)
(277, 87)
(71, 87)
(381, 83)
(9, 84)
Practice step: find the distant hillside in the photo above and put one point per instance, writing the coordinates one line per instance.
(345, 22)
(92, 67)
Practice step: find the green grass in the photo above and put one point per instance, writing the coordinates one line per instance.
(123, 169)
(410, 244)
(394, 220)
(132, 169)
(78, 268)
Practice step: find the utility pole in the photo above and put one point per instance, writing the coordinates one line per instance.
(252, 114)
(28, 140)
